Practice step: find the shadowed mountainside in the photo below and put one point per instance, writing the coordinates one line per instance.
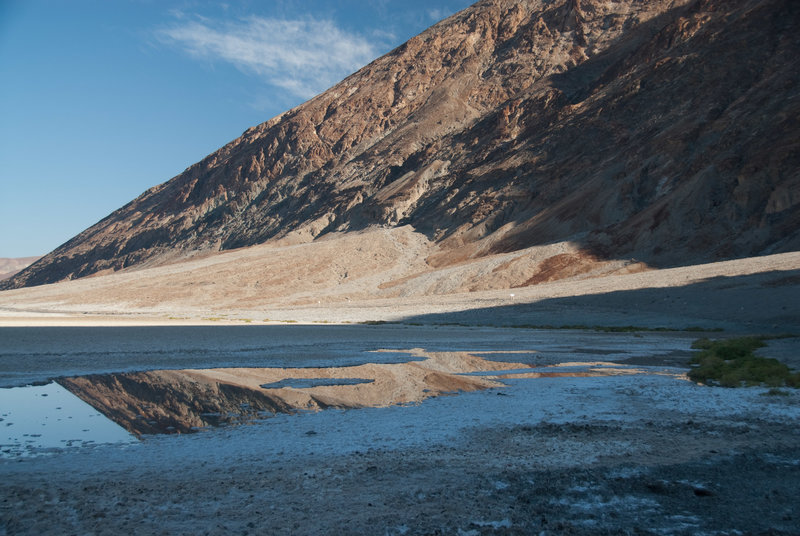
(666, 131)
(766, 302)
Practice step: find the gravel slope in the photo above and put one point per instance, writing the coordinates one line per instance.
(381, 275)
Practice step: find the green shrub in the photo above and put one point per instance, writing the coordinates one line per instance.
(732, 363)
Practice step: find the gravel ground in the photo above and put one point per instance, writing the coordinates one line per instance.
(644, 477)
(632, 454)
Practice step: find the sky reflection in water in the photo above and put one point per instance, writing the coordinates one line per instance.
(41, 417)
(119, 407)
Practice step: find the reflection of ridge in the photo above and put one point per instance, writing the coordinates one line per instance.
(157, 402)
(305, 383)
(181, 401)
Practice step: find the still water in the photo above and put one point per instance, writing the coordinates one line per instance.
(136, 366)
(37, 419)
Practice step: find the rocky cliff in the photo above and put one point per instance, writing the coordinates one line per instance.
(666, 131)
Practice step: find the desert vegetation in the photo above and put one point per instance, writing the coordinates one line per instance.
(733, 363)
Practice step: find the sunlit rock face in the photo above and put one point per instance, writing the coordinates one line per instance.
(666, 130)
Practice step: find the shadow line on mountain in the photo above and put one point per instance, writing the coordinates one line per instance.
(767, 302)
(691, 234)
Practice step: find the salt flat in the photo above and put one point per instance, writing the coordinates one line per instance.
(645, 450)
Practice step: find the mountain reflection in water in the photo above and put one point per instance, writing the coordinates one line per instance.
(183, 401)
(170, 401)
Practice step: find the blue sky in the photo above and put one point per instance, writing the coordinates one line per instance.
(100, 100)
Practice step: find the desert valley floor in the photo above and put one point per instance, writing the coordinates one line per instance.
(542, 430)
(460, 292)
(584, 432)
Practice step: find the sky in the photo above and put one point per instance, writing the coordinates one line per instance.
(101, 100)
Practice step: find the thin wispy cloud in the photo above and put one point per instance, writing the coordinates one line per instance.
(436, 14)
(303, 57)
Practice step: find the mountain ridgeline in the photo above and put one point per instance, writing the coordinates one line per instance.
(667, 131)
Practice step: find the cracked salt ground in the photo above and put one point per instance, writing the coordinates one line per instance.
(38, 419)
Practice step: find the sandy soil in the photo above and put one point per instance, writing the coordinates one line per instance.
(622, 454)
(384, 275)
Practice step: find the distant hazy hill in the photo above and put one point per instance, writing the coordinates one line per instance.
(666, 131)
(9, 267)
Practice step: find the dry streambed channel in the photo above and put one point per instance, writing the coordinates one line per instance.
(386, 430)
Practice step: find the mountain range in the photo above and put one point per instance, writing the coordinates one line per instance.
(657, 134)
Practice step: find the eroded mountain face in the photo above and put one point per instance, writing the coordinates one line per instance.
(668, 131)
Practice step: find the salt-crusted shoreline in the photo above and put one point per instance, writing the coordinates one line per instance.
(560, 455)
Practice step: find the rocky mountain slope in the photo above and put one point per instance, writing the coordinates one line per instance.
(666, 131)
